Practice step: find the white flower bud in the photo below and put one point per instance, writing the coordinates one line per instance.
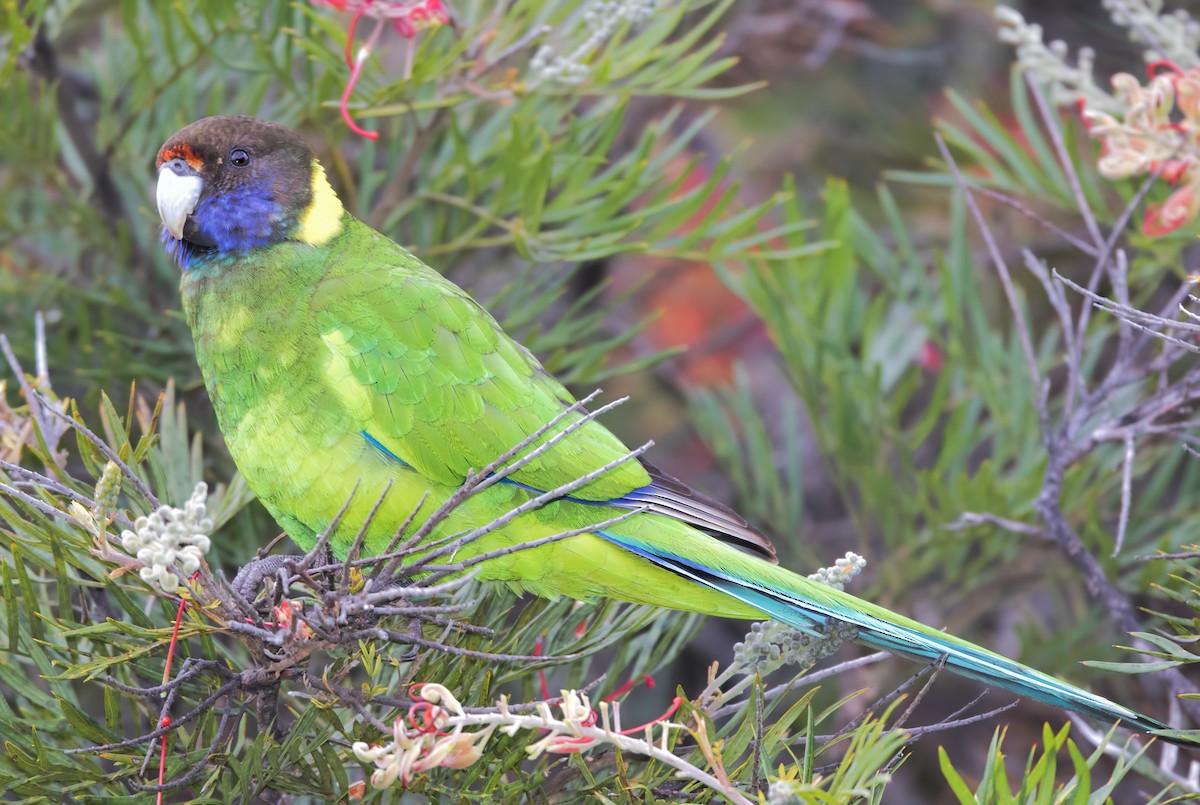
(171, 539)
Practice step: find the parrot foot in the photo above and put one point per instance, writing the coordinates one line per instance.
(248, 579)
(414, 629)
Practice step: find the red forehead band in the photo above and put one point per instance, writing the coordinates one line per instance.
(181, 151)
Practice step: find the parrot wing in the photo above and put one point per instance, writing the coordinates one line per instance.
(438, 386)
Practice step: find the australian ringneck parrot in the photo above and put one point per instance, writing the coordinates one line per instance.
(336, 358)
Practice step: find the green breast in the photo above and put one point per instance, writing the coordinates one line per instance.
(280, 405)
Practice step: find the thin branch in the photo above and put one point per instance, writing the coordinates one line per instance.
(532, 504)
(360, 538)
(175, 724)
(39, 347)
(973, 519)
(222, 735)
(31, 398)
(1058, 300)
(192, 666)
(1126, 494)
(1006, 281)
(404, 638)
(1040, 219)
(497, 470)
(1135, 316)
(103, 447)
(44, 508)
(306, 561)
(883, 701)
(37, 480)
(941, 726)
(949, 724)
(1118, 274)
(439, 571)
(937, 667)
(1050, 118)
(1182, 555)
(1119, 277)
(391, 552)
(418, 591)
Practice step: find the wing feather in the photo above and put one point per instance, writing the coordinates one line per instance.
(672, 497)
(450, 391)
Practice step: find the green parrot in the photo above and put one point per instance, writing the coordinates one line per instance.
(336, 359)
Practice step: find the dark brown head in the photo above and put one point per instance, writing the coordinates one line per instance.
(227, 185)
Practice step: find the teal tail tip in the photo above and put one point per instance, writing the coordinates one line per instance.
(1188, 739)
(813, 608)
(1139, 723)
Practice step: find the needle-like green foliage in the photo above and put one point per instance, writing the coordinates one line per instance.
(969, 477)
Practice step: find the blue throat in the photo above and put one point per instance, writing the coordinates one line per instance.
(235, 223)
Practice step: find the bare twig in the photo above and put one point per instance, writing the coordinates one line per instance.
(1181, 555)
(34, 401)
(221, 736)
(1006, 281)
(954, 723)
(391, 552)
(533, 503)
(439, 571)
(729, 707)
(1039, 219)
(883, 701)
(973, 519)
(1126, 493)
(103, 447)
(937, 669)
(323, 538)
(44, 508)
(1050, 118)
(499, 469)
(201, 708)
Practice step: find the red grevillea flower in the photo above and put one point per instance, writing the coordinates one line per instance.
(424, 743)
(288, 617)
(1179, 208)
(1159, 133)
(408, 17)
(432, 734)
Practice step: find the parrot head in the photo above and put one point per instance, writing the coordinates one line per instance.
(228, 185)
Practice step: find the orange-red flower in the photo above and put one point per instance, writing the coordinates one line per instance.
(407, 17)
(1159, 132)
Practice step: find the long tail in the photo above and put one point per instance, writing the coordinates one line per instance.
(810, 607)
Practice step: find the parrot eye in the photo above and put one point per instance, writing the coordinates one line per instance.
(239, 157)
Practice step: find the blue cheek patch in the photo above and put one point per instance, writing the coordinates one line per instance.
(239, 220)
(234, 222)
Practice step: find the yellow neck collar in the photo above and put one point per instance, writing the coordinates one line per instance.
(323, 218)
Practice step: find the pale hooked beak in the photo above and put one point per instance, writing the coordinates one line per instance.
(178, 191)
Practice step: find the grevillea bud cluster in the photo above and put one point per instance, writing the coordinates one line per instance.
(108, 489)
(602, 18)
(171, 539)
(771, 644)
(843, 571)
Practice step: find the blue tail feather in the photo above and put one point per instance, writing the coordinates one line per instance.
(812, 617)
